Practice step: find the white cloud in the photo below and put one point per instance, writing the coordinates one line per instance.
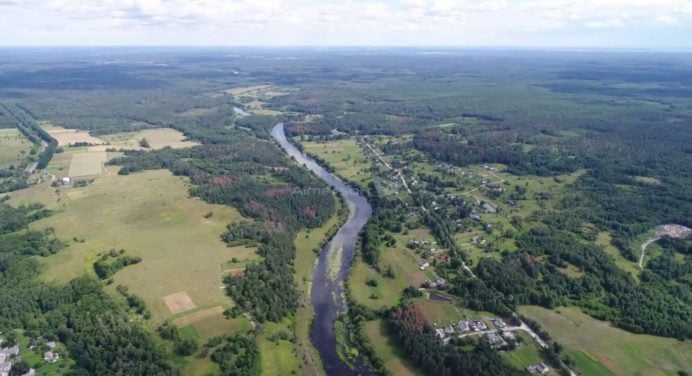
(331, 21)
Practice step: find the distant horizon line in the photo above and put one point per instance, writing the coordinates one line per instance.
(362, 47)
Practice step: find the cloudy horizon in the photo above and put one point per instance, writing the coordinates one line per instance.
(638, 24)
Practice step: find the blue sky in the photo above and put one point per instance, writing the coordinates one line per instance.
(648, 24)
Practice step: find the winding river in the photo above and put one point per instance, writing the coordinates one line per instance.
(327, 293)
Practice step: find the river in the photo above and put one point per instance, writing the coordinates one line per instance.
(327, 293)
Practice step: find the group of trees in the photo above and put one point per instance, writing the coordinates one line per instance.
(112, 261)
(238, 355)
(27, 124)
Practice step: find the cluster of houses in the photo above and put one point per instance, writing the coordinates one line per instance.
(498, 340)
(463, 326)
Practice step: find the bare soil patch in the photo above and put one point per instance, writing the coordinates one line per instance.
(179, 302)
(66, 137)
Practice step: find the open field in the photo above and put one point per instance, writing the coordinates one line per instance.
(87, 164)
(66, 137)
(151, 216)
(526, 354)
(205, 323)
(405, 264)
(14, 147)
(596, 345)
(278, 358)
(387, 350)
(157, 138)
(345, 156)
(445, 313)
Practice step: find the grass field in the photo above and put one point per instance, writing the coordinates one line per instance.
(14, 147)
(345, 156)
(526, 354)
(157, 138)
(149, 215)
(278, 358)
(387, 350)
(87, 164)
(597, 346)
(445, 313)
(406, 266)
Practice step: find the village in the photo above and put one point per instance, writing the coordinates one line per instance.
(500, 338)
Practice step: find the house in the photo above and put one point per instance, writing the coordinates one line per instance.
(540, 368)
(495, 340)
(51, 357)
(66, 180)
(424, 265)
(440, 333)
(489, 208)
(463, 326)
(508, 336)
(499, 323)
(449, 330)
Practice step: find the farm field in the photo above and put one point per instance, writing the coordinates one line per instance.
(601, 349)
(346, 157)
(151, 216)
(87, 164)
(67, 137)
(387, 350)
(14, 147)
(157, 138)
